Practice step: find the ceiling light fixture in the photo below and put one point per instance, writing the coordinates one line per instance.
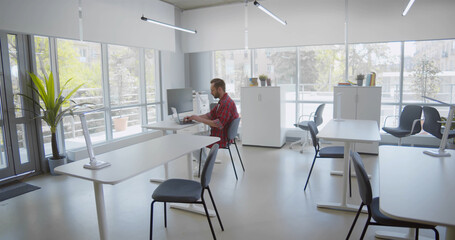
(408, 7)
(270, 13)
(168, 25)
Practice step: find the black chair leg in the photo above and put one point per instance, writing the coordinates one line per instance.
(200, 163)
(366, 225)
(208, 217)
(216, 210)
(311, 169)
(232, 160)
(151, 219)
(165, 215)
(239, 155)
(349, 176)
(417, 234)
(355, 220)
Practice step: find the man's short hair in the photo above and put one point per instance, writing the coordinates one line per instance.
(218, 82)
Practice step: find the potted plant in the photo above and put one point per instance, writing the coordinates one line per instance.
(359, 79)
(53, 110)
(263, 78)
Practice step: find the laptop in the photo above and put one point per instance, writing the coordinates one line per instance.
(177, 119)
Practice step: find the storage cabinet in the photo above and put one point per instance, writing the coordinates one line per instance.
(362, 103)
(262, 112)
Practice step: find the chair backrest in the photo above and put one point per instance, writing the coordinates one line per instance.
(313, 132)
(362, 179)
(408, 115)
(431, 124)
(318, 114)
(206, 174)
(233, 128)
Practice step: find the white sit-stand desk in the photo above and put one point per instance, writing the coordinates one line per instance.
(133, 160)
(417, 187)
(350, 132)
(164, 126)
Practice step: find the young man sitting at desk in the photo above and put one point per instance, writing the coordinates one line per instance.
(220, 117)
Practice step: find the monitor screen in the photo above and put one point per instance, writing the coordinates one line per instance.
(181, 99)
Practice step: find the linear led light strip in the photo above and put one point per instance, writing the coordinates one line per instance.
(269, 13)
(168, 25)
(408, 7)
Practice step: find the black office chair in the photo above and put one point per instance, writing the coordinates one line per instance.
(326, 152)
(373, 205)
(432, 123)
(409, 123)
(187, 191)
(317, 119)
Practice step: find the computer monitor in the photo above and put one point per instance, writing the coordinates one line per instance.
(181, 99)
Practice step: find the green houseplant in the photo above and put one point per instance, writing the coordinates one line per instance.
(53, 108)
(263, 78)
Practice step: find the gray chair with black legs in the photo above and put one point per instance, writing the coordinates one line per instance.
(373, 205)
(433, 123)
(326, 152)
(409, 123)
(317, 119)
(187, 191)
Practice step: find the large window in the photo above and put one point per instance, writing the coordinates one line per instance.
(406, 71)
(234, 67)
(126, 94)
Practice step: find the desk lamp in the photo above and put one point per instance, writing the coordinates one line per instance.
(94, 164)
(441, 152)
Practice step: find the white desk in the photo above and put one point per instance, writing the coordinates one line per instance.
(133, 160)
(349, 132)
(169, 125)
(416, 187)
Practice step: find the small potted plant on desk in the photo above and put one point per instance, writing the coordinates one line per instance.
(359, 79)
(263, 78)
(52, 112)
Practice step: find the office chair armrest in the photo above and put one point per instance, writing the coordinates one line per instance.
(414, 124)
(301, 116)
(387, 117)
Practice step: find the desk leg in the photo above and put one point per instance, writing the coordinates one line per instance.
(192, 207)
(100, 209)
(166, 168)
(343, 206)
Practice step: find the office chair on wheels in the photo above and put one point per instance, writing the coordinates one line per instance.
(373, 205)
(409, 123)
(317, 119)
(187, 191)
(433, 124)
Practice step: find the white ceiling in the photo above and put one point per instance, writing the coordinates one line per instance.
(193, 4)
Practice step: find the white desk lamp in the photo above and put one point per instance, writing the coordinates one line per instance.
(94, 164)
(441, 152)
(338, 107)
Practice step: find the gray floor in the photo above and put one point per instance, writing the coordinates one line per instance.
(267, 202)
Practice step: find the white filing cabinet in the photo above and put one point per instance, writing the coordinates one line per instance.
(362, 103)
(262, 112)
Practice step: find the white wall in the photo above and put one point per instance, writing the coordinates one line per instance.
(318, 22)
(107, 21)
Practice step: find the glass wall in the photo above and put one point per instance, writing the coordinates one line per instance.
(405, 70)
(125, 93)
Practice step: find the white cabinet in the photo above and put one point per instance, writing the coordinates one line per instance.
(362, 103)
(262, 112)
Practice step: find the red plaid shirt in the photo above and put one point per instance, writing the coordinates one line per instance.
(223, 114)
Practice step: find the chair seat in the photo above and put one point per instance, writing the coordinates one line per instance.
(332, 152)
(384, 220)
(397, 132)
(303, 125)
(178, 190)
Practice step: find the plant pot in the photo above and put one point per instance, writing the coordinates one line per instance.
(53, 163)
(120, 124)
(269, 82)
(359, 82)
(262, 83)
